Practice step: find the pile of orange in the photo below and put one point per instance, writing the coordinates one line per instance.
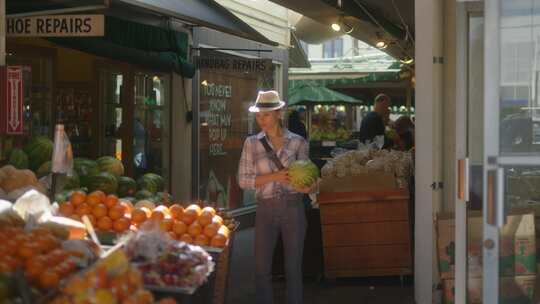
(192, 225)
(38, 252)
(105, 212)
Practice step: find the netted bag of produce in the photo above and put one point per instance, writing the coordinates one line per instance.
(165, 262)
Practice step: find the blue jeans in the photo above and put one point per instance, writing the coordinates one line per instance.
(285, 215)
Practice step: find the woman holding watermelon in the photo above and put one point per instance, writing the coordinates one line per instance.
(264, 167)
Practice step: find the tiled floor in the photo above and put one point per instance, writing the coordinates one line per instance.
(345, 291)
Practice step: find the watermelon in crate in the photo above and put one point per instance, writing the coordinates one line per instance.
(127, 186)
(151, 182)
(39, 150)
(111, 165)
(103, 181)
(18, 159)
(85, 168)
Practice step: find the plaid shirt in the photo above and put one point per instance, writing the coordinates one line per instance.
(255, 161)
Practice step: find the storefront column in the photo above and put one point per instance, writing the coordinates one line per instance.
(429, 67)
(181, 144)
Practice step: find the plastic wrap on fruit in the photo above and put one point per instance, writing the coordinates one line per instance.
(149, 243)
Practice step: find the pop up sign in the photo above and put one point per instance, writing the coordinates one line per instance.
(11, 107)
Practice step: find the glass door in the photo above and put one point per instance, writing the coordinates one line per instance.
(511, 156)
(111, 87)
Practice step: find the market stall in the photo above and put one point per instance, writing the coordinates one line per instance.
(174, 238)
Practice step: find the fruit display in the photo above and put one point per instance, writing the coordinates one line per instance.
(151, 182)
(193, 224)
(110, 280)
(339, 134)
(303, 173)
(41, 256)
(357, 162)
(165, 262)
(105, 212)
(127, 186)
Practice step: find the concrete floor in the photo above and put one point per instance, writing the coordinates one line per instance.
(343, 291)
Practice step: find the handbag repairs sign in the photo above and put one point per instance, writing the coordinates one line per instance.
(56, 26)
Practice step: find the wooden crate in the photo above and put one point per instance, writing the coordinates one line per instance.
(366, 233)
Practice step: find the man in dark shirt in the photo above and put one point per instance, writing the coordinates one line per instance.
(373, 123)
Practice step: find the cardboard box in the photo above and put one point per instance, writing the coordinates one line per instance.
(517, 245)
(513, 290)
(365, 182)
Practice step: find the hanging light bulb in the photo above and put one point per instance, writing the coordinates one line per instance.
(336, 27)
(407, 60)
(381, 45)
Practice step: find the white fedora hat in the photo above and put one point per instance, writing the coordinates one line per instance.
(267, 101)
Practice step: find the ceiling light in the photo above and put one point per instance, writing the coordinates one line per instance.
(407, 60)
(204, 83)
(381, 45)
(336, 27)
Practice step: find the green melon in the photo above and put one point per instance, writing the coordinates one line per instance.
(143, 194)
(18, 159)
(85, 168)
(44, 169)
(110, 164)
(126, 186)
(103, 181)
(151, 182)
(303, 173)
(72, 182)
(39, 150)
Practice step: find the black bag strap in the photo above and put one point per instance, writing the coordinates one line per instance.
(271, 153)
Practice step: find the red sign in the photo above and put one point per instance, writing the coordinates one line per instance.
(12, 104)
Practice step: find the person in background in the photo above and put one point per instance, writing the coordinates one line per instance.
(296, 125)
(373, 124)
(405, 130)
(263, 168)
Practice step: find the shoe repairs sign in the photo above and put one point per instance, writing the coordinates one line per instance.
(56, 26)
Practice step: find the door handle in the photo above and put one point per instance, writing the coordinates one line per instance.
(495, 197)
(463, 179)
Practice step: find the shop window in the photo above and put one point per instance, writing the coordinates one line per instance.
(111, 87)
(151, 125)
(227, 88)
(333, 48)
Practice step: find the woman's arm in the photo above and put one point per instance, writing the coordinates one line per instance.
(247, 178)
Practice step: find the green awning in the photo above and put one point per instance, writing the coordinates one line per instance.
(140, 44)
(314, 94)
(367, 78)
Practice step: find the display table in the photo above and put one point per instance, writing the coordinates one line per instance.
(366, 233)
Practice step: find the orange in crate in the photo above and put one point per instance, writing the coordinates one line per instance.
(49, 279)
(157, 215)
(195, 229)
(166, 224)
(209, 209)
(116, 212)
(66, 209)
(83, 209)
(94, 198)
(189, 216)
(105, 223)
(201, 240)
(77, 198)
(164, 210)
(100, 210)
(122, 224)
(186, 238)
(179, 228)
(111, 200)
(211, 230)
(217, 219)
(176, 211)
(205, 218)
(139, 215)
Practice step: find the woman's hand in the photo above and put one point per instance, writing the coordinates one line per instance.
(281, 176)
(312, 189)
